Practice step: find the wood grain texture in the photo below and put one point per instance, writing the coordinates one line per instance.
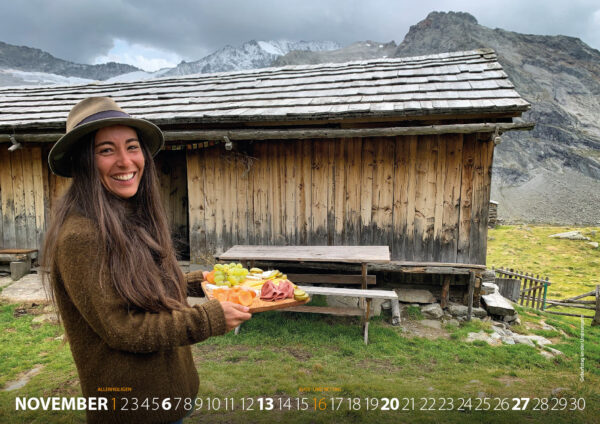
(451, 198)
(466, 199)
(196, 202)
(349, 254)
(366, 191)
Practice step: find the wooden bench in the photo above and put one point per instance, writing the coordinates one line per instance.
(18, 261)
(363, 255)
(368, 295)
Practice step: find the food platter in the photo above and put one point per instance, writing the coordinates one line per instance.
(259, 305)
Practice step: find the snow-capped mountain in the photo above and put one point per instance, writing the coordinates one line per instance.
(251, 55)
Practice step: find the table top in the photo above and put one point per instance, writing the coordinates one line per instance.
(348, 254)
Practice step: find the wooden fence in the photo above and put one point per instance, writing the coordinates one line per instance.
(529, 290)
(577, 302)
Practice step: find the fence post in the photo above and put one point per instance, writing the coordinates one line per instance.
(596, 320)
(545, 292)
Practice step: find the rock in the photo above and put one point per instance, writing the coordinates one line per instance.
(499, 330)
(546, 355)
(415, 296)
(431, 323)
(458, 310)
(60, 338)
(554, 352)
(594, 244)
(570, 235)
(27, 289)
(547, 327)
(489, 288)
(453, 322)
(50, 318)
(542, 341)
(483, 336)
(499, 324)
(496, 304)
(508, 340)
(432, 311)
(510, 318)
(559, 391)
(479, 312)
(519, 339)
(386, 304)
(488, 275)
(19, 269)
(14, 385)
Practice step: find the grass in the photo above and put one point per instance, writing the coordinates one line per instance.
(300, 360)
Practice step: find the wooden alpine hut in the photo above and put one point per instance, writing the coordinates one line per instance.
(393, 152)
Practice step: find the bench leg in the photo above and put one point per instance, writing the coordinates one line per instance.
(19, 269)
(366, 321)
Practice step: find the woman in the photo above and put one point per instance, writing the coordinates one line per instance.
(114, 275)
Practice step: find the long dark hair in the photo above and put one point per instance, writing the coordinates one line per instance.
(134, 233)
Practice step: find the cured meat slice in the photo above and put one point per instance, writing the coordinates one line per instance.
(286, 289)
(268, 291)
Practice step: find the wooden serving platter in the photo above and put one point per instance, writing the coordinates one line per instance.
(259, 305)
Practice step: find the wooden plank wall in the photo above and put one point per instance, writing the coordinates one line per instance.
(424, 196)
(22, 203)
(171, 170)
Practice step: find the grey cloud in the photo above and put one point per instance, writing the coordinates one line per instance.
(81, 30)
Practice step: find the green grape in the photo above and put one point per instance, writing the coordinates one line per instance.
(219, 278)
(219, 267)
(239, 265)
(231, 279)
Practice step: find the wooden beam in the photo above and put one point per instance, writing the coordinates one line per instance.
(596, 320)
(265, 134)
(330, 279)
(325, 310)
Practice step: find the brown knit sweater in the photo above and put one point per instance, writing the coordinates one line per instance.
(145, 356)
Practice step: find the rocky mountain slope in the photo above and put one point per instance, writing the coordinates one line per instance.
(551, 174)
(17, 61)
(252, 54)
(361, 50)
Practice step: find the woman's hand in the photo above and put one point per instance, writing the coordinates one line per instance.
(235, 314)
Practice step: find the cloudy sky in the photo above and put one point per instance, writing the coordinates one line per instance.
(152, 34)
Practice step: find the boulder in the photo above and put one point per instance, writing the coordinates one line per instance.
(489, 288)
(570, 235)
(483, 336)
(415, 296)
(457, 310)
(496, 304)
(519, 339)
(432, 311)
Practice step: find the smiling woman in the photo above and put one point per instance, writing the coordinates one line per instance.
(113, 272)
(119, 159)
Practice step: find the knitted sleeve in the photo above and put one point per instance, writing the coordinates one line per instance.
(78, 263)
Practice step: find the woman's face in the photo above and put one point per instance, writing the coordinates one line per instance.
(119, 159)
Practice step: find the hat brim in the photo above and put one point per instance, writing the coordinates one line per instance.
(60, 158)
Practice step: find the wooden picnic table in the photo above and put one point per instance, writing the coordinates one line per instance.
(343, 254)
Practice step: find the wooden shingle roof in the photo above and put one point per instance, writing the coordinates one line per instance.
(470, 82)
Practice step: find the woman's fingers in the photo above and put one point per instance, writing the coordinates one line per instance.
(235, 314)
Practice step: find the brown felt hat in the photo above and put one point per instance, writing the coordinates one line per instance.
(90, 115)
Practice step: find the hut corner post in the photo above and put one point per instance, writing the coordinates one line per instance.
(596, 320)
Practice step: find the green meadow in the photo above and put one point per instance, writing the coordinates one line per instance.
(298, 368)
